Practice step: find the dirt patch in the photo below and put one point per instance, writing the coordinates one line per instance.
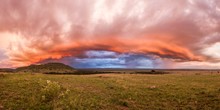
(104, 76)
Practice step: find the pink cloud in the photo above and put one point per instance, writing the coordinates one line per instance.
(174, 30)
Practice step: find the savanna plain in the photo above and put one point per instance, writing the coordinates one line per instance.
(177, 90)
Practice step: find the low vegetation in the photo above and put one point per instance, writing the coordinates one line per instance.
(6, 70)
(151, 72)
(110, 91)
(62, 69)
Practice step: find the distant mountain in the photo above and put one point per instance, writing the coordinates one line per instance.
(58, 68)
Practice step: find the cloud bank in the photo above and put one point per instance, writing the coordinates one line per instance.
(110, 33)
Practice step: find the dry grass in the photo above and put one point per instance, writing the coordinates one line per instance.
(184, 90)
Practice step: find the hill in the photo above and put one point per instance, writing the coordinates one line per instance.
(58, 68)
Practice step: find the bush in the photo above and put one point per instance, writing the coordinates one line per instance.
(153, 71)
(2, 75)
(53, 93)
(50, 91)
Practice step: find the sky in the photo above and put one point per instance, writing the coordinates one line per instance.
(111, 33)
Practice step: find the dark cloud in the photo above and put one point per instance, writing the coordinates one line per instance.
(125, 60)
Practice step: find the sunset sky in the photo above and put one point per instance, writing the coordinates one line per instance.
(111, 33)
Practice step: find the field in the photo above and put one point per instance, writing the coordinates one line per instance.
(193, 90)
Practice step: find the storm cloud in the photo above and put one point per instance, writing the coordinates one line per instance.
(161, 32)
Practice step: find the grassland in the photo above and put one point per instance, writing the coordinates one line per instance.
(193, 91)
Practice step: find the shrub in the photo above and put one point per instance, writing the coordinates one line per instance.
(53, 93)
(50, 90)
(153, 71)
(2, 75)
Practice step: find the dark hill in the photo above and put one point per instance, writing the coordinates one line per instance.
(58, 68)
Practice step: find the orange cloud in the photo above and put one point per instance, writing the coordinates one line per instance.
(174, 30)
(156, 45)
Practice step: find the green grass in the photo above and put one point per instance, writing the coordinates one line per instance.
(110, 91)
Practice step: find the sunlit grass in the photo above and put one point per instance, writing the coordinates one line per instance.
(110, 91)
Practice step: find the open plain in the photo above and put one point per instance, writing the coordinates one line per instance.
(179, 89)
